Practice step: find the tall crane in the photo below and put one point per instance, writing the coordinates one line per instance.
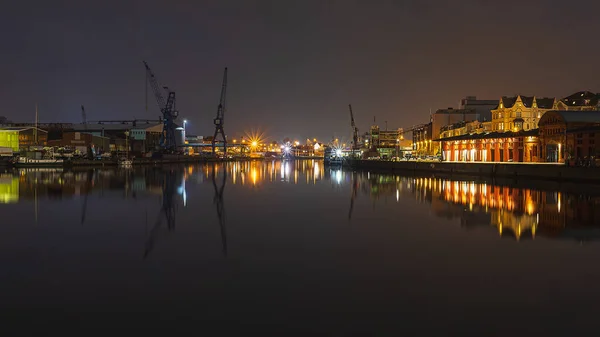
(169, 114)
(219, 121)
(354, 131)
(83, 116)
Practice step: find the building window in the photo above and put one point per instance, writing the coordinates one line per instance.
(526, 126)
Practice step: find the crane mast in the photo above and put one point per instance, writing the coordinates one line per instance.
(83, 118)
(167, 108)
(219, 121)
(354, 131)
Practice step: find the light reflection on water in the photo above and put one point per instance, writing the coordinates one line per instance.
(316, 250)
(514, 211)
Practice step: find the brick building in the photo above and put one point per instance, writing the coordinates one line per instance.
(569, 136)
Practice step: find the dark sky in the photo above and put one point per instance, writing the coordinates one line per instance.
(293, 65)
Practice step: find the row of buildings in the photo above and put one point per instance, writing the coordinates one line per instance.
(139, 136)
(514, 129)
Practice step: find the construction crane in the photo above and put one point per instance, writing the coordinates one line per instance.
(219, 121)
(169, 114)
(83, 116)
(354, 131)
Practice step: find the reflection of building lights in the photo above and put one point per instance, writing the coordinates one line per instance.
(181, 191)
(397, 195)
(338, 176)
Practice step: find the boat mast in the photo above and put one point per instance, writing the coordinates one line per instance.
(35, 138)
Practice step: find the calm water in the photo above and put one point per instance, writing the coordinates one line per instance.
(295, 248)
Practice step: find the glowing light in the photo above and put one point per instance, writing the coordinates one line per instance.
(338, 176)
(338, 152)
(254, 143)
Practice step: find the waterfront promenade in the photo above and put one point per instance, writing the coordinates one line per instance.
(542, 171)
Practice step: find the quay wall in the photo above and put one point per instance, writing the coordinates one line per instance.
(507, 170)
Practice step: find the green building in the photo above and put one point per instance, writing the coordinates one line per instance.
(9, 138)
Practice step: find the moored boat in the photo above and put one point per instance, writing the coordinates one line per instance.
(33, 162)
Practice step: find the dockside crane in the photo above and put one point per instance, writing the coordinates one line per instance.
(354, 132)
(169, 114)
(219, 121)
(83, 116)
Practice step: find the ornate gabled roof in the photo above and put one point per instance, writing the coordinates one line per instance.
(509, 101)
(527, 101)
(581, 98)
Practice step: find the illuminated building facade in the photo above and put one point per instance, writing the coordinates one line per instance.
(10, 139)
(26, 136)
(519, 146)
(569, 136)
(423, 141)
(521, 112)
(388, 143)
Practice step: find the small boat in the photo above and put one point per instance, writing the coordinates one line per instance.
(32, 162)
(125, 162)
(335, 161)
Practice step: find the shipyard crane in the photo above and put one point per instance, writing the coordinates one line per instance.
(167, 108)
(354, 131)
(219, 121)
(83, 116)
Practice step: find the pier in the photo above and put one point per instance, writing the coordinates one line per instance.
(554, 172)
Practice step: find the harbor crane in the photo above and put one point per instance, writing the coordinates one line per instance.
(219, 121)
(167, 108)
(354, 131)
(83, 116)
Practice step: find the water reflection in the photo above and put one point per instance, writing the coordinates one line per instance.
(167, 209)
(218, 201)
(519, 212)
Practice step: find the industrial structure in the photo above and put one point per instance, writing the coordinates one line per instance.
(167, 108)
(355, 146)
(219, 120)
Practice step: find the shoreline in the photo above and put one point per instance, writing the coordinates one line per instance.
(547, 172)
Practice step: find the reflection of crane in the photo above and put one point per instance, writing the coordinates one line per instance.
(167, 210)
(219, 121)
(167, 139)
(90, 178)
(218, 200)
(354, 131)
(83, 117)
(353, 196)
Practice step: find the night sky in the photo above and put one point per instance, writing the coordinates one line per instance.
(293, 65)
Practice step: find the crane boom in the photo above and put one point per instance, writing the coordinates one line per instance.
(167, 139)
(83, 116)
(354, 130)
